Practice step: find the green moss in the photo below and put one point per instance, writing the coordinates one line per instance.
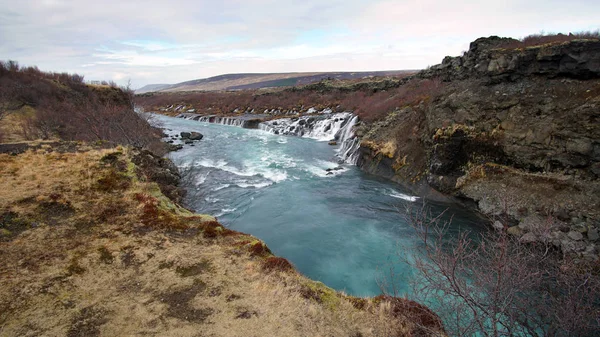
(322, 294)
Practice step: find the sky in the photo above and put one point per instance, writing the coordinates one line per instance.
(145, 42)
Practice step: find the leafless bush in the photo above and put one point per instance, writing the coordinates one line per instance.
(73, 110)
(491, 284)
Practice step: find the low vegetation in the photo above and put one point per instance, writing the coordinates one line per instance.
(495, 284)
(91, 247)
(42, 105)
(542, 39)
(369, 100)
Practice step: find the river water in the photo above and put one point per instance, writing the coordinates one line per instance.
(344, 229)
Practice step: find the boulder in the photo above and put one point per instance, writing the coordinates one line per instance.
(498, 225)
(175, 147)
(528, 238)
(515, 230)
(333, 142)
(573, 235)
(196, 136)
(185, 135)
(161, 171)
(593, 234)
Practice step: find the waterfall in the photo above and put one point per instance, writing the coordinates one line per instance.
(325, 127)
(233, 121)
(348, 152)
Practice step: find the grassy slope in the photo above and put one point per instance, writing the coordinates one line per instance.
(91, 248)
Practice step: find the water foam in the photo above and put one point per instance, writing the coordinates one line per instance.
(257, 185)
(403, 196)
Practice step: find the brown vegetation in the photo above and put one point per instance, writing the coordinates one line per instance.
(110, 258)
(496, 285)
(370, 101)
(45, 105)
(541, 39)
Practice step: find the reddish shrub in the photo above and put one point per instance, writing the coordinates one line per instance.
(259, 249)
(358, 303)
(157, 218)
(369, 103)
(425, 320)
(277, 264)
(69, 109)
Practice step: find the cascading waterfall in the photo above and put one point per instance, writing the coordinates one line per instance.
(213, 119)
(337, 127)
(326, 127)
(322, 127)
(349, 151)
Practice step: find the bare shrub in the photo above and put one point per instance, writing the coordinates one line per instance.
(495, 285)
(367, 102)
(73, 110)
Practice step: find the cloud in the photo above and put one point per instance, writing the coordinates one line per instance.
(172, 41)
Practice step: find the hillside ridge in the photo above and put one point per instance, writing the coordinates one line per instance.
(241, 81)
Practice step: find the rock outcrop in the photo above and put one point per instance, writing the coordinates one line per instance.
(514, 132)
(490, 58)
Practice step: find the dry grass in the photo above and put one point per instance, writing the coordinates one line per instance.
(12, 126)
(89, 262)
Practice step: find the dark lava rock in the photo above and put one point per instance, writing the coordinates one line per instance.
(185, 135)
(489, 58)
(196, 136)
(161, 171)
(175, 147)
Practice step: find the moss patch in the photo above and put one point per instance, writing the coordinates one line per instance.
(195, 269)
(180, 306)
(105, 255)
(87, 322)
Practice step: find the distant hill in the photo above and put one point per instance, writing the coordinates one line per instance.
(257, 81)
(151, 88)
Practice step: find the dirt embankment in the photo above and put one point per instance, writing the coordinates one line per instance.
(92, 246)
(516, 130)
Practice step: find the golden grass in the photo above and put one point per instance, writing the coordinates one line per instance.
(12, 125)
(90, 265)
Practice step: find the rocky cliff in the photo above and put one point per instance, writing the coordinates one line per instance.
(514, 131)
(499, 59)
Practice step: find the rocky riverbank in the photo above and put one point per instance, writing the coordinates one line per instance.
(515, 130)
(509, 128)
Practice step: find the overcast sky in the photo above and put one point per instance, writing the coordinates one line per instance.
(178, 40)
